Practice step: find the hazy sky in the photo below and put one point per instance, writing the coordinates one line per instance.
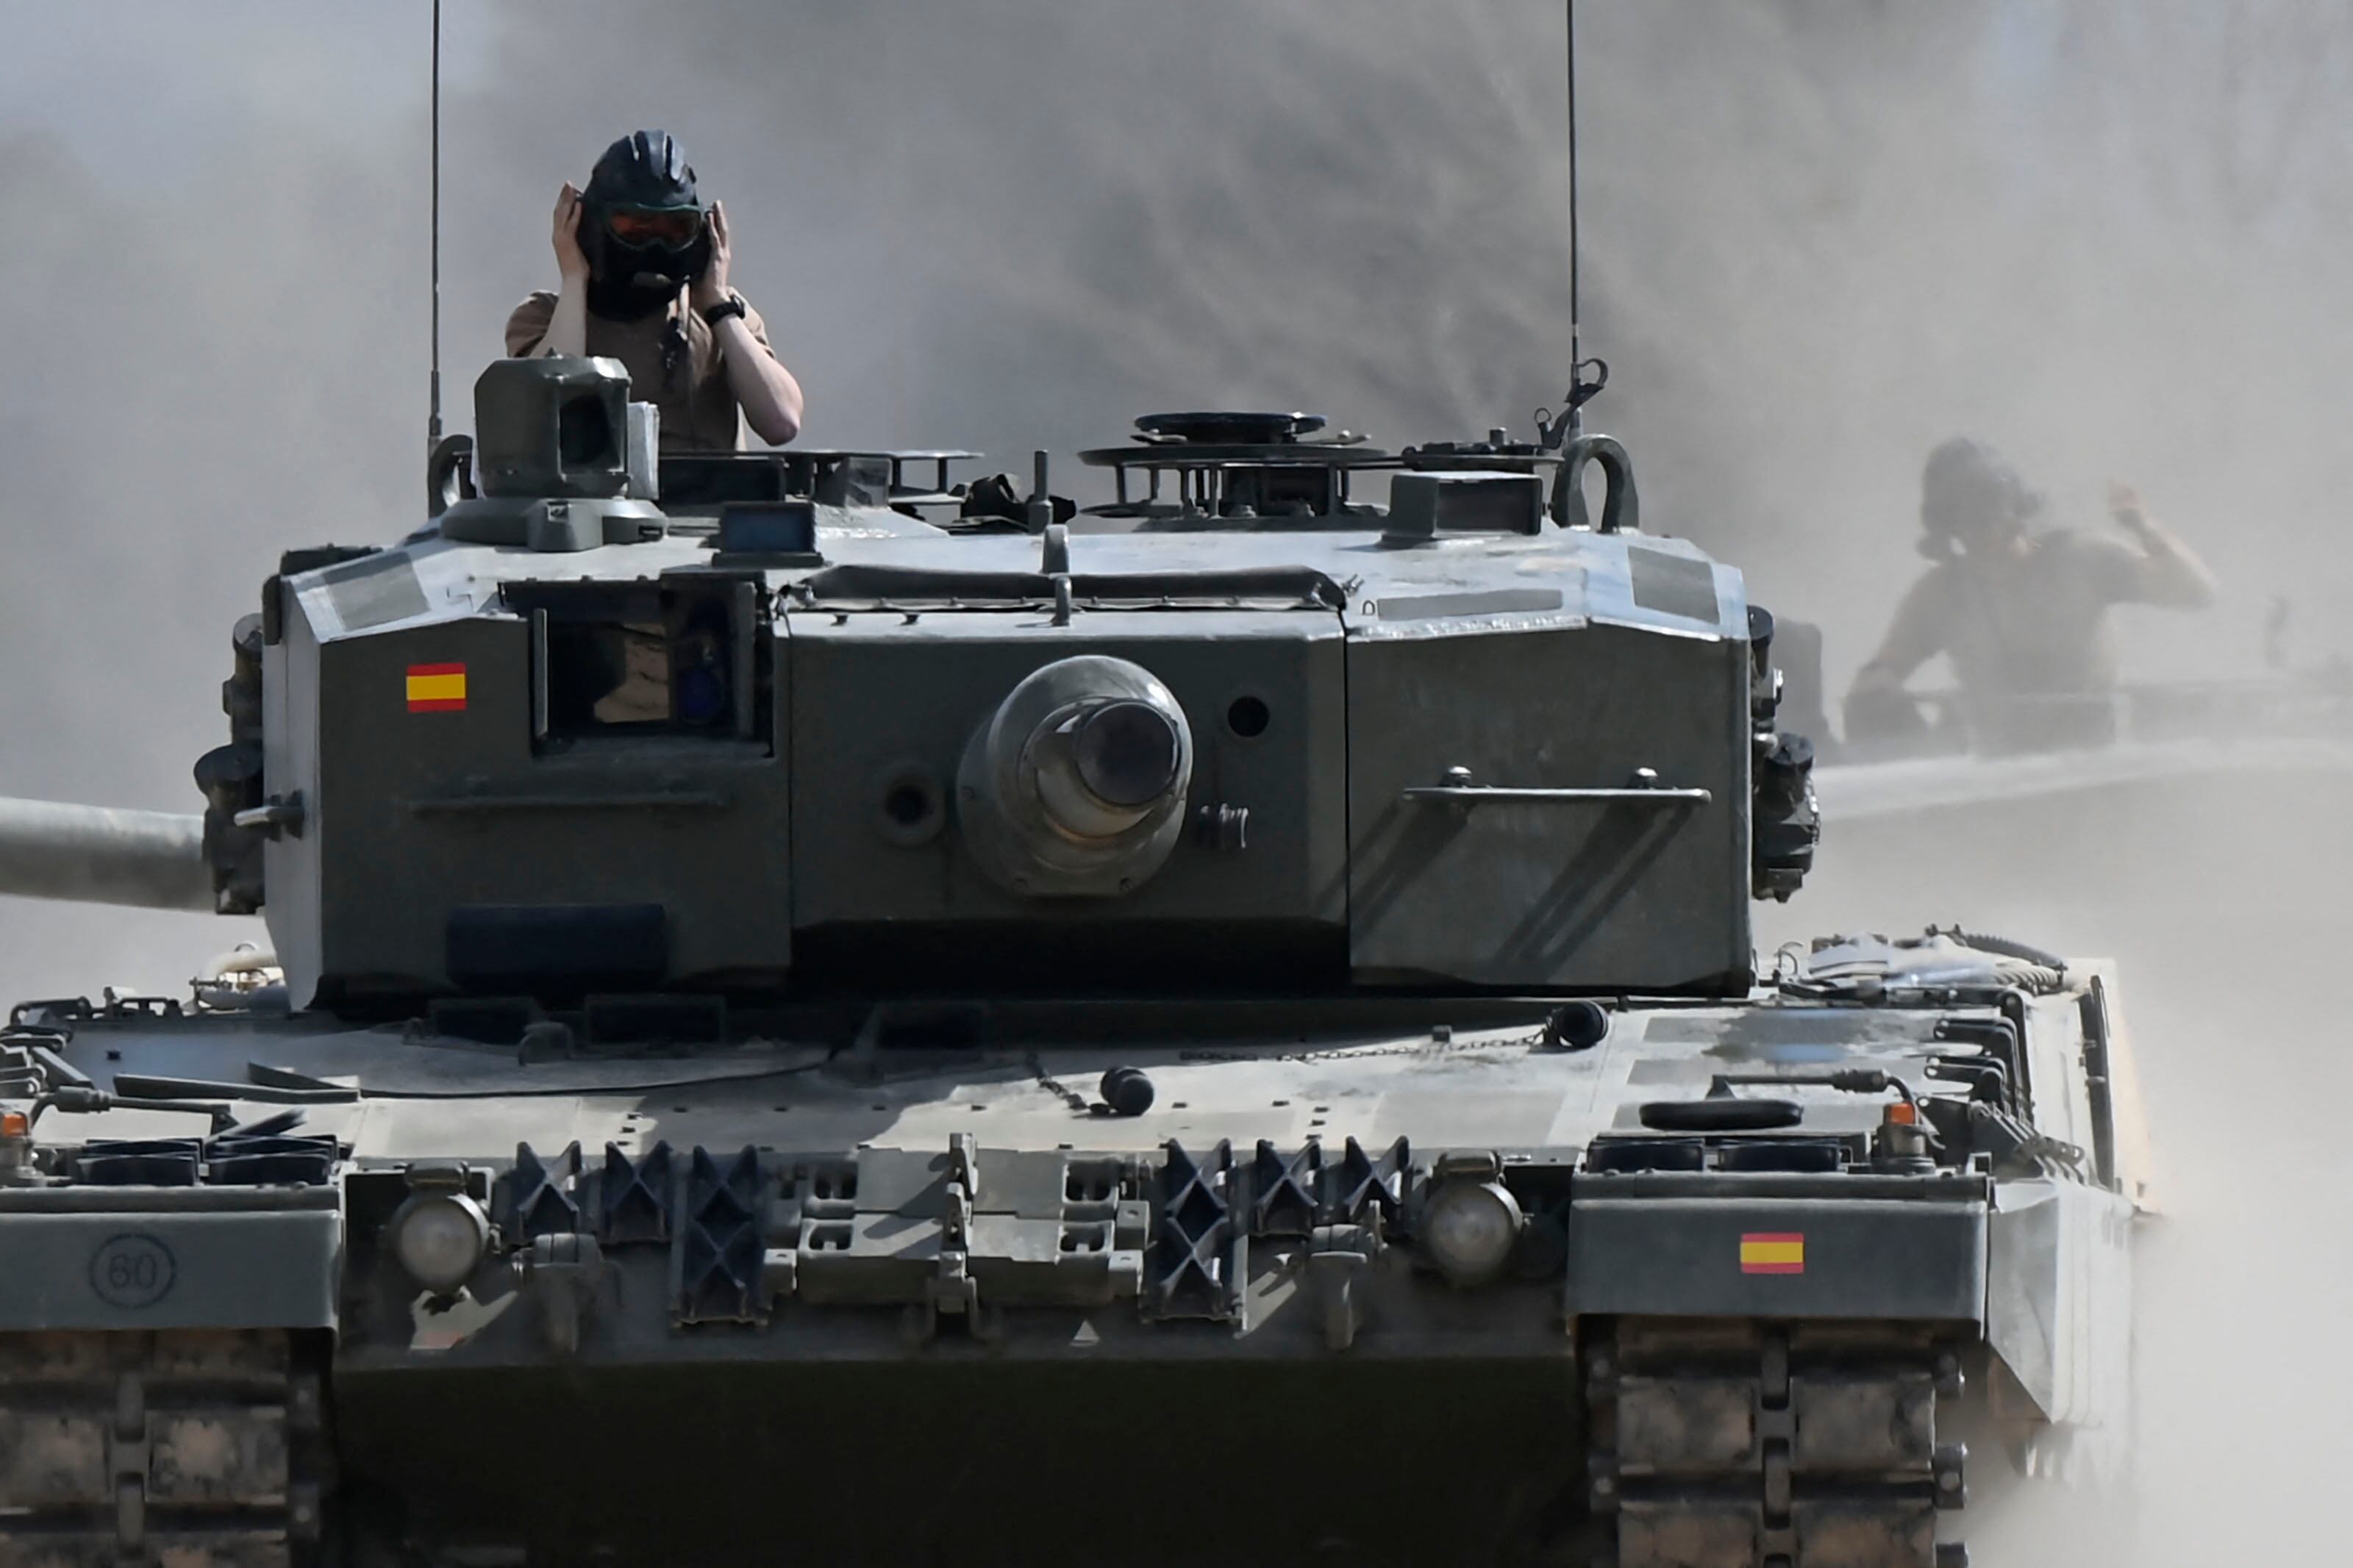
(77, 68)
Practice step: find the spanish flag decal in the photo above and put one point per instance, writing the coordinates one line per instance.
(1773, 1252)
(436, 688)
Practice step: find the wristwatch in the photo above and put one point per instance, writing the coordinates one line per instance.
(731, 306)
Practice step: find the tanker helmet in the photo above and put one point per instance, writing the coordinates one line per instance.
(1969, 494)
(643, 226)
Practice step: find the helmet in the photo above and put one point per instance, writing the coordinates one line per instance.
(1966, 491)
(643, 227)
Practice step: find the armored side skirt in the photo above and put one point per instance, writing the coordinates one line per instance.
(1841, 1247)
(148, 1258)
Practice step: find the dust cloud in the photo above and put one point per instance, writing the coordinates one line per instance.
(2220, 901)
(1822, 234)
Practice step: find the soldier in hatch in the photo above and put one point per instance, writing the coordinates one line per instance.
(644, 268)
(2022, 614)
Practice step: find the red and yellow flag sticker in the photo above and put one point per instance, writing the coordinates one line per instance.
(1773, 1252)
(436, 688)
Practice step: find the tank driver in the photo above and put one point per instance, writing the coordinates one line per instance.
(2021, 613)
(644, 269)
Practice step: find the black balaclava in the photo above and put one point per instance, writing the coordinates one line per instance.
(644, 172)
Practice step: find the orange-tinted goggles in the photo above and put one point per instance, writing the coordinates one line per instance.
(654, 225)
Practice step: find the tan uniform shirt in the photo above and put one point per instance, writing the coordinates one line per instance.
(2032, 622)
(673, 360)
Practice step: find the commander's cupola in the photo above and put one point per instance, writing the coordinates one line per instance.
(563, 459)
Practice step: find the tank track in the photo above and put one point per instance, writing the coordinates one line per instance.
(1753, 1445)
(178, 1449)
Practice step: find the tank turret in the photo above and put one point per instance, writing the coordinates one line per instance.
(818, 724)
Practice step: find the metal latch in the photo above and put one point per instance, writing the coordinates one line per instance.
(1338, 1256)
(953, 1292)
(562, 1271)
(280, 815)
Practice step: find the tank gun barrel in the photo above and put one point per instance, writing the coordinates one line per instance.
(90, 854)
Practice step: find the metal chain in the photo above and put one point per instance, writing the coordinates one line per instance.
(1056, 1087)
(1357, 1053)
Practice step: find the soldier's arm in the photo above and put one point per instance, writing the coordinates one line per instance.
(2163, 571)
(562, 329)
(1916, 636)
(567, 324)
(770, 395)
(767, 392)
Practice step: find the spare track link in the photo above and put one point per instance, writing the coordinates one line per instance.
(177, 1449)
(1754, 1444)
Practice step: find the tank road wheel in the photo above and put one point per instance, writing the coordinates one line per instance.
(180, 1446)
(1749, 1444)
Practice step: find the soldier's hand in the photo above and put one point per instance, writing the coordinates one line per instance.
(2124, 505)
(711, 287)
(571, 261)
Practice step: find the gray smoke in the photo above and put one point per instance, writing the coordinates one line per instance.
(1820, 236)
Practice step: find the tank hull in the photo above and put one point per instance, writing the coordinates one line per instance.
(895, 1303)
(1192, 1461)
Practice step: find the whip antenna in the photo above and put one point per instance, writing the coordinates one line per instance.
(1587, 376)
(433, 420)
(1574, 344)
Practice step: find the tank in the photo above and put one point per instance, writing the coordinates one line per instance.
(818, 1009)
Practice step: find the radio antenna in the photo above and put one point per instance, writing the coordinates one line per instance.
(1587, 376)
(1574, 344)
(433, 418)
